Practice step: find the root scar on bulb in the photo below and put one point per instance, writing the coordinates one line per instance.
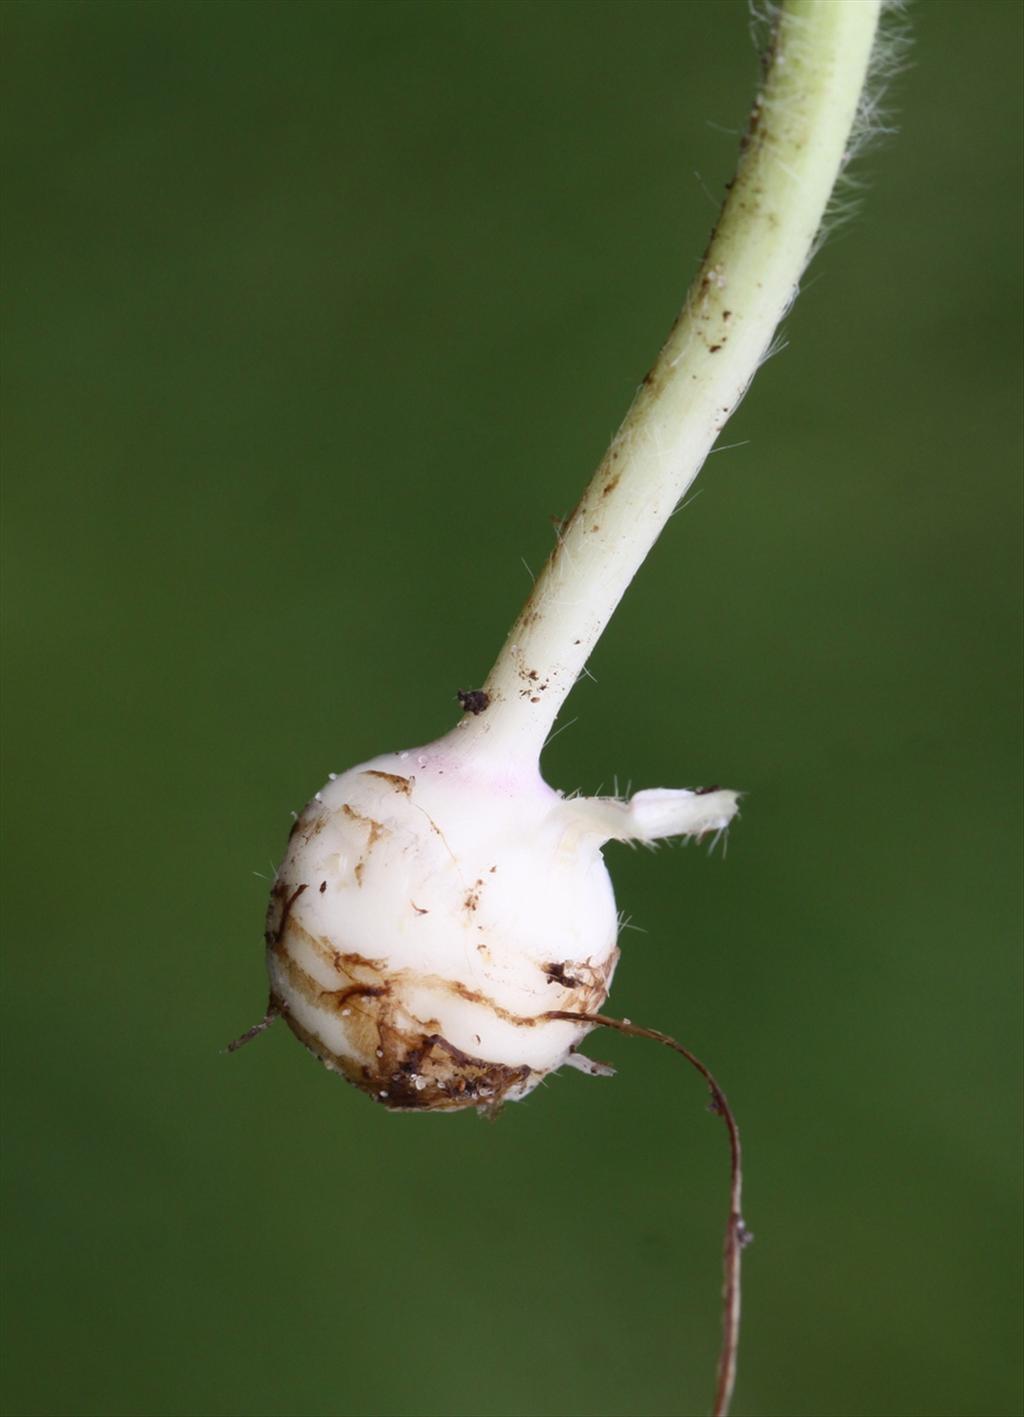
(556, 974)
(473, 701)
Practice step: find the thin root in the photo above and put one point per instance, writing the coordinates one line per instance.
(737, 1236)
(271, 1016)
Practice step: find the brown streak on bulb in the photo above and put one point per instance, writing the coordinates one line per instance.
(344, 961)
(400, 784)
(274, 932)
(403, 1062)
(375, 830)
(415, 1070)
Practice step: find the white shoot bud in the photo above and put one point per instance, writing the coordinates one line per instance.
(425, 924)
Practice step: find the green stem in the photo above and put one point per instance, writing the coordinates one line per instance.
(794, 149)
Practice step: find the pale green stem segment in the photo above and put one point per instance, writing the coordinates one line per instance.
(791, 155)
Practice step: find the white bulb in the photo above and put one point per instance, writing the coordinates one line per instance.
(433, 909)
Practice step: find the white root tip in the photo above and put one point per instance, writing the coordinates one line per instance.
(661, 811)
(652, 815)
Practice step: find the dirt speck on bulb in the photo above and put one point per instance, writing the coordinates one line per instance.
(426, 922)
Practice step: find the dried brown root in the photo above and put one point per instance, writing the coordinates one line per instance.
(271, 1016)
(737, 1236)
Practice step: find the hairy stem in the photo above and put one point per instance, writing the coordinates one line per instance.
(736, 1233)
(791, 155)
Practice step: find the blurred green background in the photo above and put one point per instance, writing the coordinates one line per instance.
(316, 315)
